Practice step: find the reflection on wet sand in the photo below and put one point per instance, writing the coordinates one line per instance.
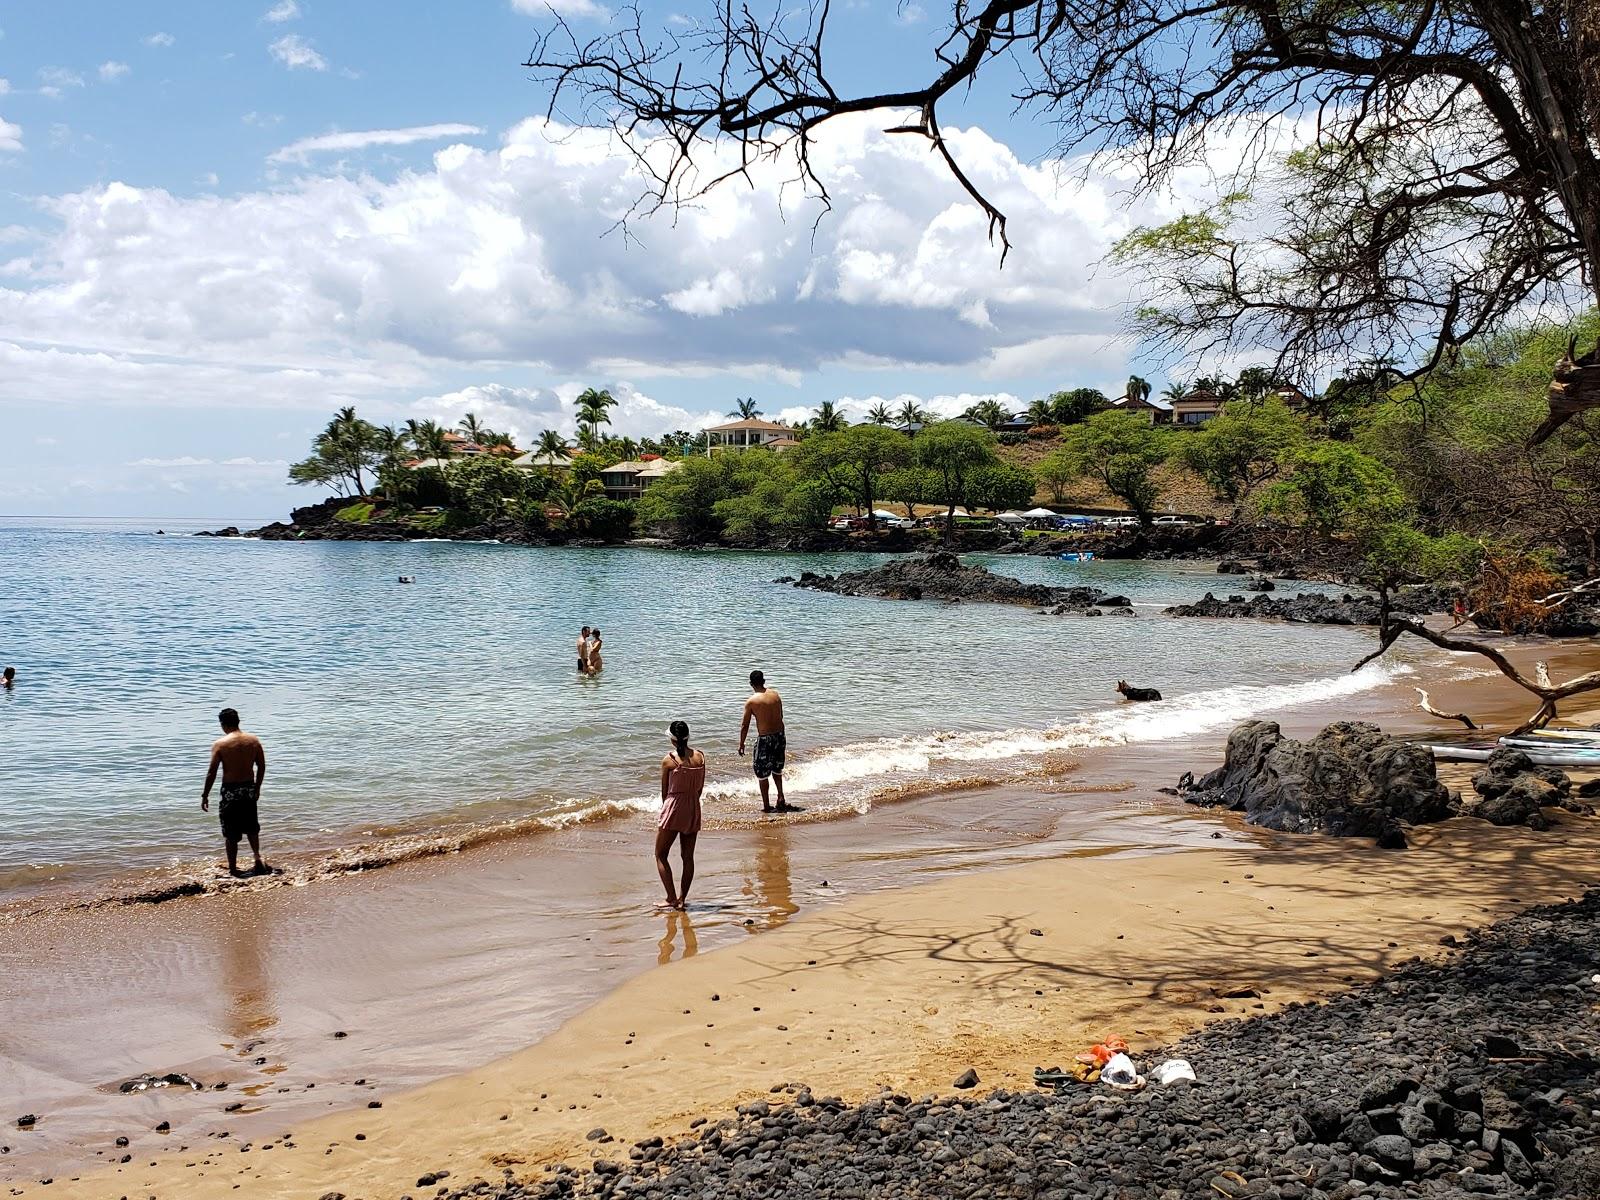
(677, 923)
(768, 885)
(249, 1012)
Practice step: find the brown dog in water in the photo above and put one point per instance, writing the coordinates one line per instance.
(1133, 693)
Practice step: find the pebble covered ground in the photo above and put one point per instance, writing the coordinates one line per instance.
(1475, 1075)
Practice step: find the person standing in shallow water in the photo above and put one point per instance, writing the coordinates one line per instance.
(595, 661)
(766, 709)
(583, 651)
(243, 763)
(683, 778)
(9, 679)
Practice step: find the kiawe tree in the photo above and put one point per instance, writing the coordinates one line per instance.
(1121, 450)
(1444, 180)
(854, 462)
(952, 453)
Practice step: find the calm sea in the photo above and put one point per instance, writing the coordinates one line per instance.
(395, 715)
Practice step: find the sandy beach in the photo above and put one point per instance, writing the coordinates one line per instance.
(994, 929)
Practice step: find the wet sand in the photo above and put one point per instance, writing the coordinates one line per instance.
(437, 967)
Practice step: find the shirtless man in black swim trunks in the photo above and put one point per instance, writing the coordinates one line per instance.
(766, 708)
(243, 764)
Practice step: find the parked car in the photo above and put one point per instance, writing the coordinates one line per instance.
(1119, 522)
(1172, 521)
(1074, 522)
(847, 524)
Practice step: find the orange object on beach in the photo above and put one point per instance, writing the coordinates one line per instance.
(1101, 1053)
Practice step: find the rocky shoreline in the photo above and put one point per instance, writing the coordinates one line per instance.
(943, 576)
(1474, 1076)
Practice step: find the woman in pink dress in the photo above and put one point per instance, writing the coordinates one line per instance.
(683, 778)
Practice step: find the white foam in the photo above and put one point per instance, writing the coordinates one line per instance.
(833, 771)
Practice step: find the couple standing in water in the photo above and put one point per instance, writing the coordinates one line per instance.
(683, 779)
(589, 660)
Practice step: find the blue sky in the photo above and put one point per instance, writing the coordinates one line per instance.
(218, 222)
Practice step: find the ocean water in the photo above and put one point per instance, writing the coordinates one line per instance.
(400, 718)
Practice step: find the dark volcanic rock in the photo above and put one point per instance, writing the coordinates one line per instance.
(1275, 1112)
(229, 531)
(942, 576)
(1308, 608)
(1351, 780)
(1513, 791)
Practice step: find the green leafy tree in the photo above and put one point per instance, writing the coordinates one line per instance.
(342, 455)
(1058, 470)
(1121, 450)
(485, 486)
(853, 462)
(828, 419)
(1243, 447)
(595, 516)
(911, 486)
(1003, 485)
(1334, 489)
(1068, 408)
(953, 452)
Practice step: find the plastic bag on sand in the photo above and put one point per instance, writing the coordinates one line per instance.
(1172, 1070)
(1120, 1073)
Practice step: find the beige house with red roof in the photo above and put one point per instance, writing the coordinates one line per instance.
(748, 433)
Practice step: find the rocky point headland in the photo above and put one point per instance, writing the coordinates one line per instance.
(943, 576)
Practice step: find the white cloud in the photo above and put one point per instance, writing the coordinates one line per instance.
(301, 150)
(5, 87)
(262, 120)
(56, 78)
(911, 14)
(565, 8)
(499, 260)
(285, 10)
(10, 137)
(110, 72)
(190, 461)
(294, 52)
(159, 39)
(526, 412)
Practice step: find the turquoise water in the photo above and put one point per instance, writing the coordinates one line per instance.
(393, 712)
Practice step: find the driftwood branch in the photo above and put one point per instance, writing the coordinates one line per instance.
(1548, 692)
(1427, 707)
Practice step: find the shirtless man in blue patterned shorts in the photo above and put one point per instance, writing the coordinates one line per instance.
(766, 709)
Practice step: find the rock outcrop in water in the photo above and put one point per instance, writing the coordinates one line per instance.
(942, 576)
(1351, 780)
(1513, 791)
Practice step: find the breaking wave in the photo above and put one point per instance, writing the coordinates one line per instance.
(833, 783)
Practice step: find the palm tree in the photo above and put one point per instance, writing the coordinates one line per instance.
(594, 410)
(1176, 390)
(569, 494)
(1137, 388)
(911, 414)
(986, 412)
(551, 445)
(879, 414)
(828, 419)
(627, 447)
(429, 439)
(745, 408)
(1042, 412)
(473, 428)
(393, 445)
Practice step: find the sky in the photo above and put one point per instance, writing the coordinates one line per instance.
(221, 222)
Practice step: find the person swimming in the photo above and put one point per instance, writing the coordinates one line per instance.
(683, 778)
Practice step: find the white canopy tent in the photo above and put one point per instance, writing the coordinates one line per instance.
(1038, 514)
(1012, 518)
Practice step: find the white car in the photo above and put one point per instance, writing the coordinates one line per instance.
(1119, 522)
(1172, 521)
